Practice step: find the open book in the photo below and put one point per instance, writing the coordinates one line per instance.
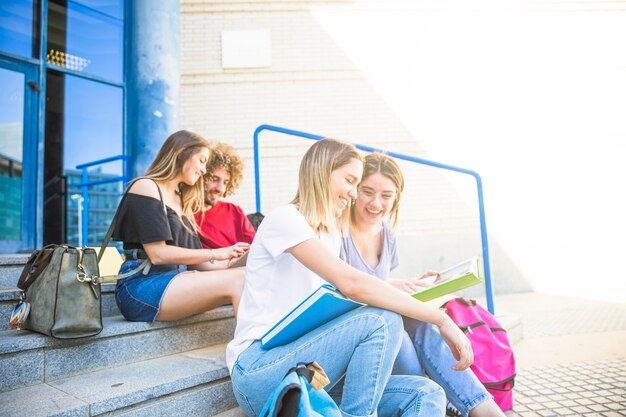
(455, 278)
(241, 261)
(323, 305)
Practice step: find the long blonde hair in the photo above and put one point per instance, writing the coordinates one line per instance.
(313, 198)
(387, 166)
(168, 164)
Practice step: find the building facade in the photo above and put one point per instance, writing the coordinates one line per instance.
(99, 80)
(516, 90)
(80, 82)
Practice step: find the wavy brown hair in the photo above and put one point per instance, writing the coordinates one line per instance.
(225, 156)
(168, 164)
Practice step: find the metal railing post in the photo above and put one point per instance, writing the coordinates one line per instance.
(85, 209)
(85, 184)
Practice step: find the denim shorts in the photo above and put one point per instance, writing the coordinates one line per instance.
(139, 296)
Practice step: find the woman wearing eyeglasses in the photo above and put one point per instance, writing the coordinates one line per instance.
(370, 246)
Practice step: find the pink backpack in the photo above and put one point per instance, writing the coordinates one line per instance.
(494, 364)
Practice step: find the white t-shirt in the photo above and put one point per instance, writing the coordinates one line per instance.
(276, 282)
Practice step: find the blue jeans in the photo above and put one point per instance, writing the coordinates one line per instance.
(425, 352)
(362, 345)
(139, 296)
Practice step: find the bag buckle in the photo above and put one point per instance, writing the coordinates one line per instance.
(94, 281)
(83, 277)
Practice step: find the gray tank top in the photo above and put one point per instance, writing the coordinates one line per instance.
(388, 257)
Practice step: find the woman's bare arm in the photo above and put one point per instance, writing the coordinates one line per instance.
(360, 286)
(370, 290)
(162, 254)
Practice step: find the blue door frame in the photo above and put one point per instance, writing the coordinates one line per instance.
(30, 144)
(479, 186)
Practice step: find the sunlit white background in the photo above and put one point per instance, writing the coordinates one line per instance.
(532, 95)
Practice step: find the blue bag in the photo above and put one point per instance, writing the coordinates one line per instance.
(295, 397)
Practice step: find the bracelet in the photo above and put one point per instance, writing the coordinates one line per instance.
(212, 260)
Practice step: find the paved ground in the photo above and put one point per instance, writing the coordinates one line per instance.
(572, 360)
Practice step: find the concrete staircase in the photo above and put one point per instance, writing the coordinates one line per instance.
(130, 369)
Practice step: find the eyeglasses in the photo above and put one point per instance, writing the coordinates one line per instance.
(370, 195)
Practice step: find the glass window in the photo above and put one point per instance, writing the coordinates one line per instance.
(89, 115)
(113, 8)
(11, 139)
(87, 39)
(18, 27)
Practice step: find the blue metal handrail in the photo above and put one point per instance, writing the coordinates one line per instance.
(479, 186)
(85, 184)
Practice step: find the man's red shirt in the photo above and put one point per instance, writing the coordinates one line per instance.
(224, 225)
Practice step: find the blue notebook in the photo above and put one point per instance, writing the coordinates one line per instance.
(323, 305)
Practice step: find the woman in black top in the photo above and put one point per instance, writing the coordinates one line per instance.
(156, 221)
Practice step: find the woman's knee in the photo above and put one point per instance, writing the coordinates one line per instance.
(390, 324)
(430, 398)
(392, 321)
(434, 390)
(238, 283)
(414, 396)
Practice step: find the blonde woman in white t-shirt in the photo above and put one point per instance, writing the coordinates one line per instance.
(295, 246)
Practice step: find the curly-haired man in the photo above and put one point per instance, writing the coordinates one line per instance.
(222, 223)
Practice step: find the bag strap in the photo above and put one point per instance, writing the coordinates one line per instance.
(466, 302)
(38, 257)
(144, 267)
(109, 234)
(301, 370)
(146, 264)
(495, 386)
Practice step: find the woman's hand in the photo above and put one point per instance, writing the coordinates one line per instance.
(428, 274)
(231, 252)
(412, 285)
(409, 285)
(458, 343)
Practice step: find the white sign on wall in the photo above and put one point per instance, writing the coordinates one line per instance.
(246, 49)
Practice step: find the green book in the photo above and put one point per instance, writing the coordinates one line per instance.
(455, 278)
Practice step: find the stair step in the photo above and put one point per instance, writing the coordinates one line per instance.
(233, 412)
(10, 269)
(193, 383)
(29, 358)
(11, 266)
(41, 400)
(10, 297)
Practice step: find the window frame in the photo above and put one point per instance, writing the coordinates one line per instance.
(33, 144)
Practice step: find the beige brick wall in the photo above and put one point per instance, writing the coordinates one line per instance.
(311, 86)
(507, 87)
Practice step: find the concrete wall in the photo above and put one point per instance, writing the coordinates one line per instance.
(529, 94)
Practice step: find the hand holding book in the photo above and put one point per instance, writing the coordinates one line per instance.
(409, 285)
(412, 285)
(455, 278)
